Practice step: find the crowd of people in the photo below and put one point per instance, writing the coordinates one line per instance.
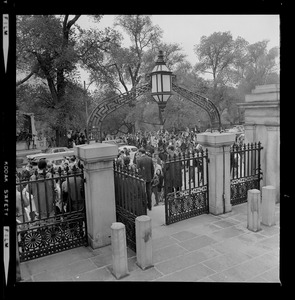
(76, 138)
(154, 149)
(161, 139)
(37, 200)
(149, 160)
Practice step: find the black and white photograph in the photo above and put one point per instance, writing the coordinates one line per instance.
(147, 148)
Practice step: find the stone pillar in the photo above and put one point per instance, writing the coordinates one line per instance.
(144, 247)
(262, 123)
(99, 190)
(218, 145)
(119, 250)
(268, 205)
(254, 210)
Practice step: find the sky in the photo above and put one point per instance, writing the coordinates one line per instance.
(187, 30)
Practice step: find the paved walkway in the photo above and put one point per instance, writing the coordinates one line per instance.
(206, 248)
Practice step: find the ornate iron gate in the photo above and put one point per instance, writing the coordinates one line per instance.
(48, 219)
(245, 170)
(186, 186)
(130, 195)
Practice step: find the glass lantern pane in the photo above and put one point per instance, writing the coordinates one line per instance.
(166, 97)
(166, 83)
(157, 98)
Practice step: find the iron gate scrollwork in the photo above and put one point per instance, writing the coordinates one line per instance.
(245, 170)
(130, 198)
(47, 225)
(186, 186)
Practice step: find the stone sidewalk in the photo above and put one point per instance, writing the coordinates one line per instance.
(205, 248)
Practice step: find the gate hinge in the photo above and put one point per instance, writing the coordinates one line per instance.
(208, 160)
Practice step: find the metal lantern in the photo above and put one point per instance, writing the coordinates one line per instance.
(161, 82)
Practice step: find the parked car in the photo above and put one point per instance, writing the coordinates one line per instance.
(212, 130)
(50, 154)
(117, 142)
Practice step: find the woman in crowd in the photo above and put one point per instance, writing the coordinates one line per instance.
(157, 185)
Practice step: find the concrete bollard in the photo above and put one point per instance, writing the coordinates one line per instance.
(268, 205)
(144, 247)
(119, 250)
(254, 221)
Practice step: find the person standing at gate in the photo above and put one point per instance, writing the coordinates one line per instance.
(157, 184)
(172, 172)
(43, 191)
(73, 188)
(145, 168)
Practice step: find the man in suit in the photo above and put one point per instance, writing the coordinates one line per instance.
(172, 171)
(145, 168)
(73, 190)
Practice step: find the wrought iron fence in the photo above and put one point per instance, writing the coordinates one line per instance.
(50, 212)
(245, 170)
(131, 200)
(186, 185)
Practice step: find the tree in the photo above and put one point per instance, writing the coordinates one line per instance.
(46, 46)
(220, 55)
(217, 54)
(143, 36)
(234, 63)
(37, 99)
(126, 68)
(121, 68)
(96, 48)
(261, 65)
(49, 49)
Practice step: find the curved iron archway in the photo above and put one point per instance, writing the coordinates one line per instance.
(107, 106)
(203, 102)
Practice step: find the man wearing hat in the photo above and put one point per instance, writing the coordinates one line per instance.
(145, 168)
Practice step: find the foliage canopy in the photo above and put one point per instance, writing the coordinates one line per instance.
(50, 49)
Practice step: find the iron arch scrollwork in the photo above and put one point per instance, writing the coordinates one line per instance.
(107, 106)
(201, 101)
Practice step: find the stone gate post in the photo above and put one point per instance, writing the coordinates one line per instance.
(262, 123)
(99, 190)
(218, 145)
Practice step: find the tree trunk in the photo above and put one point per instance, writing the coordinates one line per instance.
(61, 138)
